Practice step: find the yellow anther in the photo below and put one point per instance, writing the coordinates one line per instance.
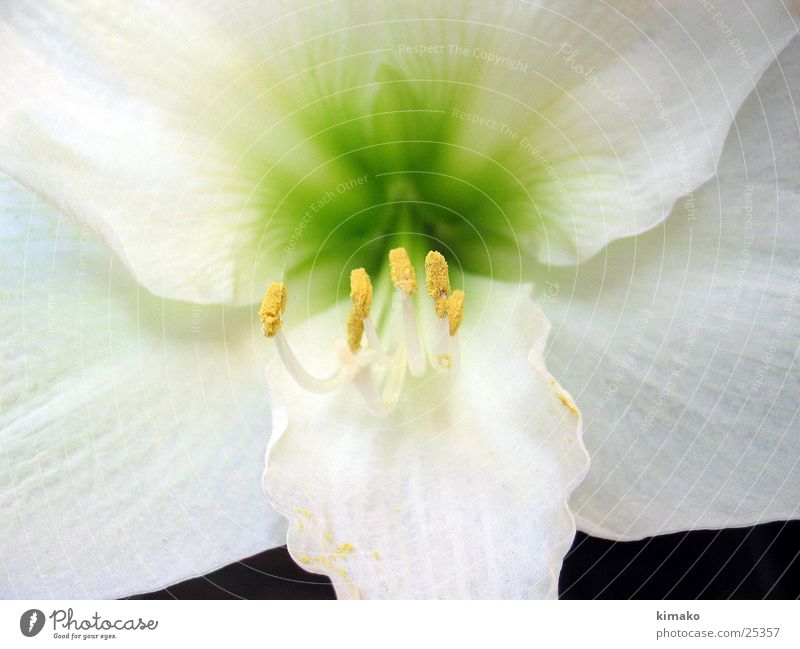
(402, 271)
(355, 329)
(272, 307)
(361, 296)
(455, 311)
(360, 292)
(437, 281)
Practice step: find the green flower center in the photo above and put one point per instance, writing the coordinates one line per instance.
(399, 170)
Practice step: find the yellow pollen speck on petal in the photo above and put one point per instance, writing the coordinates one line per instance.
(403, 275)
(305, 559)
(437, 281)
(322, 560)
(355, 329)
(272, 307)
(360, 292)
(567, 400)
(455, 311)
(445, 361)
(344, 550)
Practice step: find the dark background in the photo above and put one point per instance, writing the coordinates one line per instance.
(747, 563)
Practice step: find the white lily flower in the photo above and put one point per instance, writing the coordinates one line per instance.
(215, 149)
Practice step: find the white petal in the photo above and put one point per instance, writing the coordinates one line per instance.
(195, 140)
(582, 122)
(460, 493)
(131, 431)
(681, 344)
(630, 113)
(150, 126)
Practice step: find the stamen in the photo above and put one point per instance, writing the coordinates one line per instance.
(375, 342)
(402, 271)
(455, 354)
(272, 307)
(361, 297)
(441, 345)
(303, 377)
(395, 378)
(437, 281)
(360, 292)
(366, 387)
(416, 359)
(455, 311)
(405, 279)
(355, 329)
(356, 364)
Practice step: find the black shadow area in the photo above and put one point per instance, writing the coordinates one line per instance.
(758, 562)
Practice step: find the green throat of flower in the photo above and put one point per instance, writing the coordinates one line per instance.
(409, 163)
(364, 360)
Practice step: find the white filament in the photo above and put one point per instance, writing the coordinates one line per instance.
(375, 342)
(416, 359)
(356, 367)
(442, 357)
(302, 376)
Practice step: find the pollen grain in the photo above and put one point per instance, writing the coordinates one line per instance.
(455, 311)
(402, 271)
(272, 307)
(437, 281)
(355, 330)
(360, 292)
